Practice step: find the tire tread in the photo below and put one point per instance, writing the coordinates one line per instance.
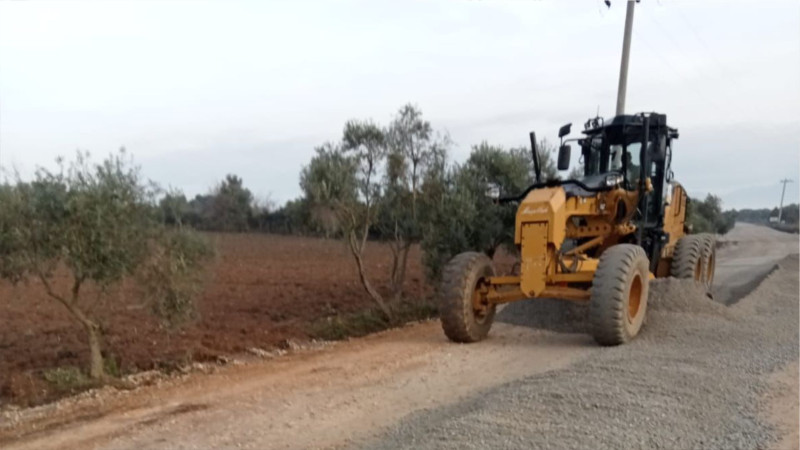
(455, 308)
(607, 309)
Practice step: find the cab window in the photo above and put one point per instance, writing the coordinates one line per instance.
(632, 162)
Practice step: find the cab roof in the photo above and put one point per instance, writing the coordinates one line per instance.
(629, 123)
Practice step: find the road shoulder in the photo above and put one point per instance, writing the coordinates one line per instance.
(781, 409)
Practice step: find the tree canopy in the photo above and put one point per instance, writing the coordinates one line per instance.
(707, 216)
(99, 223)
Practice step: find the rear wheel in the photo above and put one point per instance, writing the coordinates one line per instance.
(619, 294)
(695, 258)
(465, 315)
(709, 260)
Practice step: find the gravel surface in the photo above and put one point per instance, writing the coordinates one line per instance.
(668, 294)
(692, 379)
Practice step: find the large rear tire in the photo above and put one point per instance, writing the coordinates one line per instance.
(464, 318)
(619, 294)
(709, 260)
(695, 258)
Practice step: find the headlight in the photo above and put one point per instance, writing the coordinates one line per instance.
(613, 180)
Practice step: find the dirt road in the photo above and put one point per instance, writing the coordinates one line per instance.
(701, 375)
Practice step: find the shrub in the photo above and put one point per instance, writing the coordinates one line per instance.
(707, 216)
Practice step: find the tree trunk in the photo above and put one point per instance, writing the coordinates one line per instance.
(356, 250)
(397, 247)
(399, 277)
(395, 267)
(96, 367)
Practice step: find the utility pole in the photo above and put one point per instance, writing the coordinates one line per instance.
(780, 209)
(626, 53)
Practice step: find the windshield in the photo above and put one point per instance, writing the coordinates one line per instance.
(600, 158)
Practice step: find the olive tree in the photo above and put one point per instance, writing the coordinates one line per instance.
(174, 208)
(548, 152)
(364, 144)
(231, 206)
(706, 216)
(100, 224)
(380, 183)
(415, 152)
(464, 218)
(346, 179)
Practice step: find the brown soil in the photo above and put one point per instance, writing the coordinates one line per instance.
(262, 291)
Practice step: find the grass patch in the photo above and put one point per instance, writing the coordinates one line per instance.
(67, 379)
(111, 367)
(372, 320)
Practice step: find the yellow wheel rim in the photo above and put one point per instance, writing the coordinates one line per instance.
(635, 297)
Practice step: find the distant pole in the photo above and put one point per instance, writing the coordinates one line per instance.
(626, 53)
(780, 209)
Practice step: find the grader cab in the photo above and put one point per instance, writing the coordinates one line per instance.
(598, 239)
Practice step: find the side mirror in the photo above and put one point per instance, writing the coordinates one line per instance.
(563, 131)
(563, 157)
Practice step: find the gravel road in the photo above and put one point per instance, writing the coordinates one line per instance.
(701, 375)
(693, 379)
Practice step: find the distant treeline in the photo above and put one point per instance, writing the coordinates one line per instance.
(790, 214)
(707, 216)
(231, 207)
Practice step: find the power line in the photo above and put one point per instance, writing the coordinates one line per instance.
(672, 87)
(708, 53)
(674, 42)
(701, 94)
(692, 28)
(712, 55)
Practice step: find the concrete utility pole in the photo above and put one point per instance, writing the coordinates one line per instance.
(626, 53)
(780, 209)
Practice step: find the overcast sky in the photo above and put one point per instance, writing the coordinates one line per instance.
(196, 90)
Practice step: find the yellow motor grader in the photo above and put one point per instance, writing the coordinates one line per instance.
(598, 239)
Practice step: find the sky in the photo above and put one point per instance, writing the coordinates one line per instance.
(196, 90)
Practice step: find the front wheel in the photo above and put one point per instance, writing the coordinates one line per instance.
(465, 314)
(619, 294)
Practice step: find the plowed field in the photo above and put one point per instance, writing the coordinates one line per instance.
(261, 291)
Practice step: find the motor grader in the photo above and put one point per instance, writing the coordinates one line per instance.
(598, 239)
